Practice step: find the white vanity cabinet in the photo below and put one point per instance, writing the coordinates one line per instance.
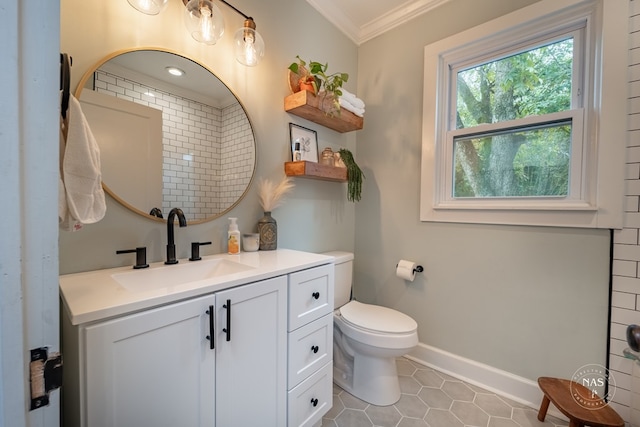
(310, 325)
(228, 341)
(157, 368)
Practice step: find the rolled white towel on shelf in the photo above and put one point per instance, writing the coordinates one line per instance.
(352, 99)
(348, 106)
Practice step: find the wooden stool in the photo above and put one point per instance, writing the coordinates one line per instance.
(559, 392)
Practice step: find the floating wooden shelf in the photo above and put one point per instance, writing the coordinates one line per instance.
(314, 170)
(307, 105)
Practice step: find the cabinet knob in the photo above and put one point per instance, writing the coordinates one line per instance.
(316, 295)
(315, 348)
(314, 402)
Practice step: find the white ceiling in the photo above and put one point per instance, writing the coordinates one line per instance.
(362, 20)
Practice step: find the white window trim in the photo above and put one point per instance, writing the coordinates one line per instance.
(605, 123)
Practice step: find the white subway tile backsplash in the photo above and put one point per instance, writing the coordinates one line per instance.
(627, 236)
(625, 268)
(619, 332)
(626, 252)
(625, 298)
(626, 284)
(624, 316)
(631, 219)
(195, 136)
(633, 155)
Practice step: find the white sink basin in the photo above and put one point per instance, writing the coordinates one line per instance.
(178, 274)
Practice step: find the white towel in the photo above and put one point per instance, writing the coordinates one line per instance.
(352, 99)
(348, 106)
(83, 200)
(65, 220)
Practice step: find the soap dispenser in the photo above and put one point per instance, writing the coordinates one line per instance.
(233, 239)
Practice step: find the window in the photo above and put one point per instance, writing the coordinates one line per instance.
(525, 147)
(513, 117)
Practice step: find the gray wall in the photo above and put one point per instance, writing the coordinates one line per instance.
(531, 301)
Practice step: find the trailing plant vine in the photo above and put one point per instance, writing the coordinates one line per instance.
(354, 176)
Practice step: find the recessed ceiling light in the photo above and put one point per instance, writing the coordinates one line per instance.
(175, 71)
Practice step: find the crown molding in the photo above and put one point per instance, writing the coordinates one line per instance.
(331, 10)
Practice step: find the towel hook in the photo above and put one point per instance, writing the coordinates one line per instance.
(65, 82)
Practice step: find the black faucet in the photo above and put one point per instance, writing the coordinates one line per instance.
(157, 212)
(171, 246)
(141, 256)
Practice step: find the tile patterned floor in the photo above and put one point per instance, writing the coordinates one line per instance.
(432, 399)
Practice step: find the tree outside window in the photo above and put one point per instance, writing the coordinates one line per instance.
(520, 161)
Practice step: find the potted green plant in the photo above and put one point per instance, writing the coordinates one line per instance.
(326, 85)
(354, 175)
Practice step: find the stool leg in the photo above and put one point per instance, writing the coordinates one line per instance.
(575, 423)
(544, 406)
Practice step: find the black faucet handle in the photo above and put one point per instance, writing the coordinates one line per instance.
(195, 250)
(141, 256)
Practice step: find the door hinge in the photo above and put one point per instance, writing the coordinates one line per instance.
(45, 374)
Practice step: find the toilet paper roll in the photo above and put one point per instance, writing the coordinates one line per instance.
(406, 270)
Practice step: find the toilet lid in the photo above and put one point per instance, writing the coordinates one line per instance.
(377, 318)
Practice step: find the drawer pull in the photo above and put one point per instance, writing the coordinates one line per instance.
(315, 348)
(316, 295)
(314, 402)
(211, 313)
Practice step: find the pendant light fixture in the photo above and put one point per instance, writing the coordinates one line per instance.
(249, 45)
(203, 20)
(205, 23)
(149, 7)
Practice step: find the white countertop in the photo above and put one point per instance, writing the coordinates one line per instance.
(96, 295)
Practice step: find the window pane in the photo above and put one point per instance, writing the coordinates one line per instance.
(531, 162)
(531, 83)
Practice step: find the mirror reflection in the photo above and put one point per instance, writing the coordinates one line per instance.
(171, 134)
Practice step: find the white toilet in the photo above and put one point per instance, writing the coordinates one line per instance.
(366, 340)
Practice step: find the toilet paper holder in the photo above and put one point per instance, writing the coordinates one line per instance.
(417, 269)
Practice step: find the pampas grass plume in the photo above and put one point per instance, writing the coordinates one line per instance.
(271, 195)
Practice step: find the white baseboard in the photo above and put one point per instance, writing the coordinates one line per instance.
(514, 387)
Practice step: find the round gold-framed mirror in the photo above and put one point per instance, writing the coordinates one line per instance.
(166, 140)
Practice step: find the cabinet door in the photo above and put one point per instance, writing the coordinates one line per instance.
(153, 368)
(251, 366)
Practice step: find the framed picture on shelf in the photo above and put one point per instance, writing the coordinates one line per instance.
(308, 143)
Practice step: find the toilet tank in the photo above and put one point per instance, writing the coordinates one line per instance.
(343, 277)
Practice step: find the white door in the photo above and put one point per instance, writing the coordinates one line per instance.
(251, 365)
(122, 126)
(153, 368)
(28, 190)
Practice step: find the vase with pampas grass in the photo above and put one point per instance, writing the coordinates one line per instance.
(271, 195)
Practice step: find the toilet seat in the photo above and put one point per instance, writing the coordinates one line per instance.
(377, 319)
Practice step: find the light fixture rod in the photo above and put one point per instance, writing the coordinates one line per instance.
(237, 10)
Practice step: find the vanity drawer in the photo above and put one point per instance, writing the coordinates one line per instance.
(313, 398)
(310, 295)
(310, 347)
